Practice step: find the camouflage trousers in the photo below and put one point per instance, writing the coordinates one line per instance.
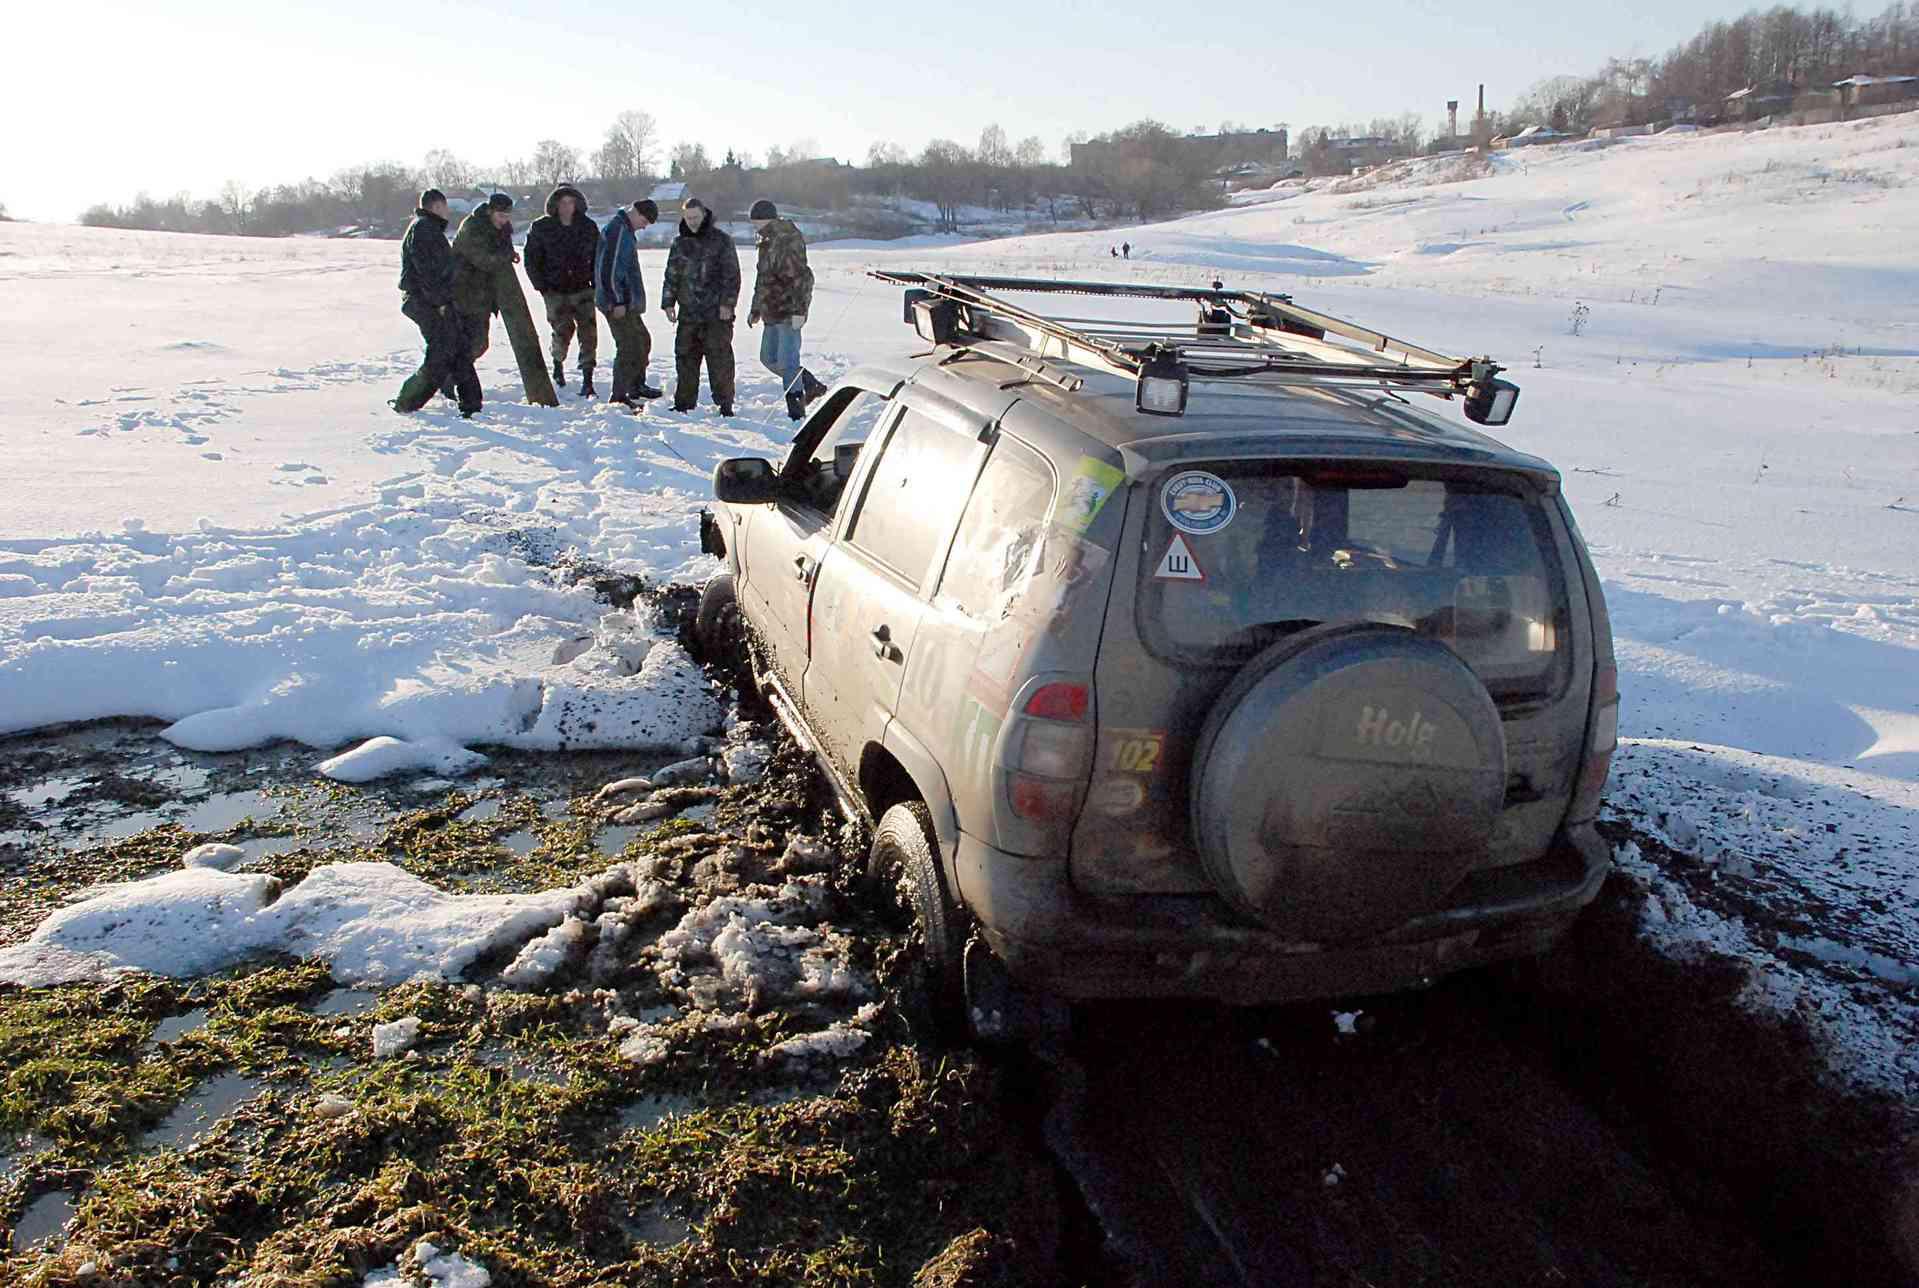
(713, 342)
(566, 312)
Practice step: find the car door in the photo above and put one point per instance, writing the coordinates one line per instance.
(786, 539)
(869, 600)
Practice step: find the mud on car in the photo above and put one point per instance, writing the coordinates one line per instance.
(1180, 659)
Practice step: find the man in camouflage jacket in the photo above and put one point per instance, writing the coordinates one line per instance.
(701, 295)
(426, 297)
(483, 247)
(782, 297)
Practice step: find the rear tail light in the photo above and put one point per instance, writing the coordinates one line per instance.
(1047, 753)
(1599, 746)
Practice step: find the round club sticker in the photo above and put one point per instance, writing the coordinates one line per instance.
(1198, 502)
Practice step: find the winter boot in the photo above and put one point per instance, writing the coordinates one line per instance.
(648, 392)
(586, 381)
(448, 392)
(795, 407)
(559, 374)
(811, 386)
(726, 410)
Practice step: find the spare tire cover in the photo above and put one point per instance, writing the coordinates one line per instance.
(1346, 780)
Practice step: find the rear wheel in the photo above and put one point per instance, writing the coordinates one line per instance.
(904, 868)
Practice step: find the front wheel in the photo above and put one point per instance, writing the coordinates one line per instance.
(719, 628)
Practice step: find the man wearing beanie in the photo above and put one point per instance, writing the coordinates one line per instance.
(561, 247)
(621, 295)
(426, 297)
(483, 247)
(702, 294)
(782, 297)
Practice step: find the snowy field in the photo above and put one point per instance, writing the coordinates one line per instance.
(214, 520)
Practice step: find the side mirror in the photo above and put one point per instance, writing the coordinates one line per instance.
(745, 481)
(845, 457)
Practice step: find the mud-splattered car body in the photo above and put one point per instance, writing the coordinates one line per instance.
(1306, 694)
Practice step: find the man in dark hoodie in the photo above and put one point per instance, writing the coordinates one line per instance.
(560, 249)
(483, 247)
(620, 293)
(426, 297)
(701, 296)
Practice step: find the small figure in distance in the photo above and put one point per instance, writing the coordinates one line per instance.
(426, 297)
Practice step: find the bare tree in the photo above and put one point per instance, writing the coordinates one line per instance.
(516, 171)
(993, 149)
(554, 162)
(886, 154)
(237, 205)
(446, 172)
(631, 147)
(689, 161)
(945, 175)
(1031, 152)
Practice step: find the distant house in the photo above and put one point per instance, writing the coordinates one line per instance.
(1755, 101)
(1348, 155)
(1873, 91)
(1532, 136)
(668, 194)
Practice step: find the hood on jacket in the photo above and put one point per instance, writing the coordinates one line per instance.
(421, 212)
(566, 190)
(706, 226)
(778, 228)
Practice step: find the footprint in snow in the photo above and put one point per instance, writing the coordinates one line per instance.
(293, 467)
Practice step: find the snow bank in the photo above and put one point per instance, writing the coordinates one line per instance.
(374, 925)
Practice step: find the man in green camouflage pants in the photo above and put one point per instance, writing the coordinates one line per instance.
(483, 247)
(701, 296)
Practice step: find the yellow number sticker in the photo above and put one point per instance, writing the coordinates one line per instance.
(1137, 751)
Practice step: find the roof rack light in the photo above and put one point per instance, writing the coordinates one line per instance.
(1163, 383)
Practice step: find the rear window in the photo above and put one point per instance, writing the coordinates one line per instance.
(1242, 555)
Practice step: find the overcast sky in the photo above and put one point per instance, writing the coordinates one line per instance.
(108, 99)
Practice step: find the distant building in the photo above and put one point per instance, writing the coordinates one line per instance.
(1268, 147)
(1532, 136)
(1350, 154)
(668, 194)
(1755, 101)
(1872, 91)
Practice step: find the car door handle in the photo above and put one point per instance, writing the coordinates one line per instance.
(883, 648)
(803, 567)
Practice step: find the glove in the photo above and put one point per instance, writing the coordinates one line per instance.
(753, 318)
(619, 312)
(797, 321)
(726, 312)
(672, 313)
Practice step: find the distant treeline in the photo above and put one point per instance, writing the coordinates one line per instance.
(1776, 50)
(1148, 171)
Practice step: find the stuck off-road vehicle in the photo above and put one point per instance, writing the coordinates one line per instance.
(1181, 659)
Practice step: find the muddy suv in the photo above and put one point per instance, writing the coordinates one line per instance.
(1303, 693)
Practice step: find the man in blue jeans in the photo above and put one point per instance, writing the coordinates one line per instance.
(782, 295)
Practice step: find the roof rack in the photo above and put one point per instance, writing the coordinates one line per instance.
(1239, 336)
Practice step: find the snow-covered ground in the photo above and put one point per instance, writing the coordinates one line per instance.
(214, 519)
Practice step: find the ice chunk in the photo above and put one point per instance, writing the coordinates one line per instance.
(378, 757)
(451, 1270)
(213, 855)
(182, 923)
(395, 1038)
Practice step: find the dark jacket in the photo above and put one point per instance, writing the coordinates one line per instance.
(702, 273)
(559, 257)
(784, 285)
(426, 261)
(616, 272)
(479, 251)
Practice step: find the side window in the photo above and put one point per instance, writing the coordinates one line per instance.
(999, 536)
(817, 479)
(914, 494)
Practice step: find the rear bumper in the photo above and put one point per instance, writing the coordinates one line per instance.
(1084, 946)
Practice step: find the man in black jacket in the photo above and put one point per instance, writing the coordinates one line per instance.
(426, 297)
(560, 247)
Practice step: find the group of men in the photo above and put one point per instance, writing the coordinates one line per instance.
(450, 290)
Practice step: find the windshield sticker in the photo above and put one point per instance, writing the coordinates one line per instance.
(1086, 495)
(1198, 503)
(1178, 563)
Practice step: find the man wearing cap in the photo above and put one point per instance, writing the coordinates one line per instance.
(621, 294)
(782, 296)
(701, 296)
(426, 297)
(561, 247)
(483, 247)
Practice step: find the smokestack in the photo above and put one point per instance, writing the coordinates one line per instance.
(1479, 121)
(1452, 118)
